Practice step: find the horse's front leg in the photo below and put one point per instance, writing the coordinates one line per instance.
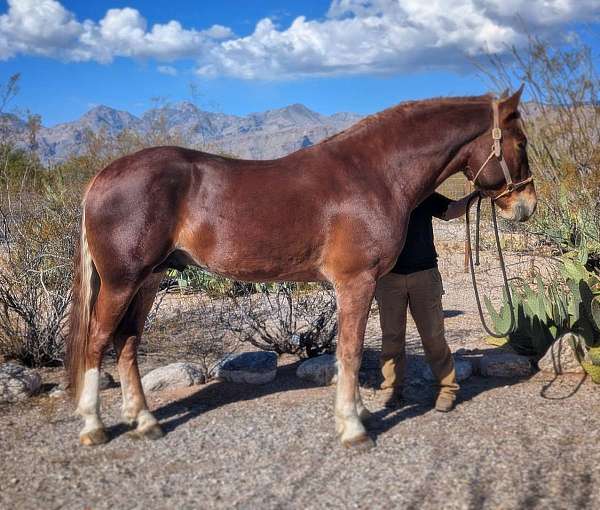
(354, 297)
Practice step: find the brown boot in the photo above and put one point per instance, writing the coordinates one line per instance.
(444, 403)
(391, 397)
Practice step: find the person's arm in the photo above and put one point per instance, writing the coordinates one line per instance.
(458, 208)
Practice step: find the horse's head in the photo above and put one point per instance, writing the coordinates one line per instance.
(497, 164)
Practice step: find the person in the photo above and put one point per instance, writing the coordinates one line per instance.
(415, 283)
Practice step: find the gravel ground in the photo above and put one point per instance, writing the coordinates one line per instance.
(508, 444)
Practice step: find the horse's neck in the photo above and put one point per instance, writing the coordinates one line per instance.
(419, 147)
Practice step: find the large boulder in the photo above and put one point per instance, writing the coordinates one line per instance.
(247, 367)
(18, 382)
(175, 375)
(320, 370)
(560, 358)
(462, 367)
(505, 364)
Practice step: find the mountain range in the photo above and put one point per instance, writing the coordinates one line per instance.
(263, 135)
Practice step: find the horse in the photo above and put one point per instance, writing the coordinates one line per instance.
(336, 211)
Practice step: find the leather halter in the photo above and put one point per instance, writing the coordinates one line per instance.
(497, 153)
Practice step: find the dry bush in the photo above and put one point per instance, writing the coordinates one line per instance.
(38, 221)
(287, 318)
(37, 236)
(192, 326)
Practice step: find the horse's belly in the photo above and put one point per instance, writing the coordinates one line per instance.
(252, 256)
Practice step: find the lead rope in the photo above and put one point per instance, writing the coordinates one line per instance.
(502, 266)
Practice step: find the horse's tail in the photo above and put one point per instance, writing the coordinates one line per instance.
(84, 292)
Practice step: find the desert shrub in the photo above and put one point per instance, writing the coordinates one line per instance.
(38, 221)
(195, 280)
(37, 236)
(283, 317)
(562, 121)
(192, 326)
(288, 318)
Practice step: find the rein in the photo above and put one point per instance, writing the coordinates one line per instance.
(497, 153)
(476, 263)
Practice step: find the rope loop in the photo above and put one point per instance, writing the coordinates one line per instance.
(488, 330)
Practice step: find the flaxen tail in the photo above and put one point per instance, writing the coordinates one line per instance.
(84, 293)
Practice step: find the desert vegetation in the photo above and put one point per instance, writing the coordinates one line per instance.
(562, 121)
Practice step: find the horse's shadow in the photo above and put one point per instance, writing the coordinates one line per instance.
(419, 396)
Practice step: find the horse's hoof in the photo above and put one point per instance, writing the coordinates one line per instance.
(359, 443)
(152, 432)
(94, 437)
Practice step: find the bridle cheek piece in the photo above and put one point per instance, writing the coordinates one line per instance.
(497, 153)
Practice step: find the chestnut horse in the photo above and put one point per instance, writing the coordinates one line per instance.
(335, 212)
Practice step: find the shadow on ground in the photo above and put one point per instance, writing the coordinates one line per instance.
(419, 395)
(453, 313)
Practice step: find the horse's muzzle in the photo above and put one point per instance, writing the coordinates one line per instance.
(519, 206)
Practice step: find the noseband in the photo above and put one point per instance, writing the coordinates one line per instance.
(497, 153)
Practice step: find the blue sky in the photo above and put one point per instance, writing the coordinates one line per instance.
(331, 55)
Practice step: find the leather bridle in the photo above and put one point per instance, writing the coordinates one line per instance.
(497, 153)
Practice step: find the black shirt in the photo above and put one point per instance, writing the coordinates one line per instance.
(419, 251)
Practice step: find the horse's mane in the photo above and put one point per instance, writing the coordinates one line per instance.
(403, 108)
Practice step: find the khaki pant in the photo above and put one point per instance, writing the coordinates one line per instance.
(422, 292)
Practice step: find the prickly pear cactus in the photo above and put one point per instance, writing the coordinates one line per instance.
(545, 311)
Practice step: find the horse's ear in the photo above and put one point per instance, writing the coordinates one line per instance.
(510, 104)
(504, 94)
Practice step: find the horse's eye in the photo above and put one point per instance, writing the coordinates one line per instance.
(522, 145)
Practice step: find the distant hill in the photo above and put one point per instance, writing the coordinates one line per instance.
(263, 135)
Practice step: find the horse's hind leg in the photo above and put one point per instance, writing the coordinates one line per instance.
(354, 298)
(127, 339)
(109, 309)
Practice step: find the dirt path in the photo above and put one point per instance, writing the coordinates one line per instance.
(508, 444)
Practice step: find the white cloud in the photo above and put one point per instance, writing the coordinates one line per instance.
(45, 27)
(356, 36)
(387, 36)
(168, 70)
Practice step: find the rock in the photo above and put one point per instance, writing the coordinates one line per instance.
(505, 364)
(321, 370)
(463, 368)
(560, 358)
(106, 381)
(248, 367)
(18, 382)
(175, 375)
(57, 392)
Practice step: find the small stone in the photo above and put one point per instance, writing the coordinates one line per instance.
(57, 393)
(175, 375)
(320, 370)
(505, 364)
(248, 367)
(18, 382)
(560, 359)
(462, 367)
